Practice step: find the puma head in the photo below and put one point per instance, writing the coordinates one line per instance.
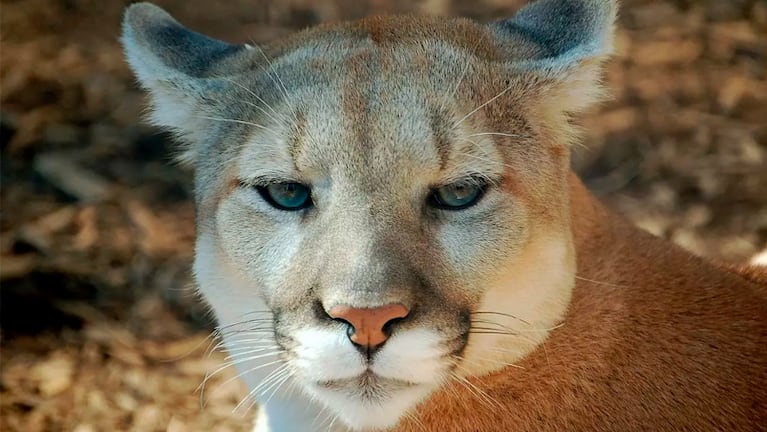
(382, 205)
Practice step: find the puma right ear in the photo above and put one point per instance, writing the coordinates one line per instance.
(568, 40)
(183, 70)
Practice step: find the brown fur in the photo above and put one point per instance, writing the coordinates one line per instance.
(654, 339)
(389, 30)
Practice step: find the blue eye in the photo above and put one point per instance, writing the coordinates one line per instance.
(286, 196)
(457, 196)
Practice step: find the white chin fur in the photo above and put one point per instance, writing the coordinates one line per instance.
(412, 356)
(378, 415)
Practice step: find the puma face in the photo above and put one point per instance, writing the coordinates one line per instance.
(382, 205)
(327, 224)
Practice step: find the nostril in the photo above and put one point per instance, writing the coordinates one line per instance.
(389, 326)
(321, 313)
(341, 320)
(350, 330)
(350, 326)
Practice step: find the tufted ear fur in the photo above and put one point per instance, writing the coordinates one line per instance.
(182, 70)
(565, 41)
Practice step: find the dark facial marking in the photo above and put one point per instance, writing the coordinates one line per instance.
(440, 128)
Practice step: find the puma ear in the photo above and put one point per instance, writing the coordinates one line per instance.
(563, 40)
(182, 70)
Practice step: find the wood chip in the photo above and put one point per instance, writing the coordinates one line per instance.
(675, 52)
(64, 173)
(54, 375)
(15, 266)
(732, 91)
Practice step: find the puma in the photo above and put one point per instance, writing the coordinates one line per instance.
(391, 238)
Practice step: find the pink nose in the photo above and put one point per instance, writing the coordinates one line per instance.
(369, 323)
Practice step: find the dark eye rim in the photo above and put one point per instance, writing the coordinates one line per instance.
(264, 192)
(436, 203)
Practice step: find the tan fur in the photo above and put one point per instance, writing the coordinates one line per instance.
(655, 340)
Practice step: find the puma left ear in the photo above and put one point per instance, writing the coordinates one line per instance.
(183, 70)
(562, 40)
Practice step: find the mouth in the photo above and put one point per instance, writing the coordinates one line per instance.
(367, 383)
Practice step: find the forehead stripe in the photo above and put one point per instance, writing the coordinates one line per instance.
(440, 129)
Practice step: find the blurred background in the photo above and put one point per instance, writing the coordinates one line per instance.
(101, 330)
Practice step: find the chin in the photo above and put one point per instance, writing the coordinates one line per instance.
(369, 402)
(370, 394)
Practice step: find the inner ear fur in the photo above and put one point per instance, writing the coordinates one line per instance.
(566, 43)
(183, 71)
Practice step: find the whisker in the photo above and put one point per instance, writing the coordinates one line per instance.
(244, 357)
(201, 387)
(500, 313)
(209, 338)
(242, 374)
(268, 382)
(267, 379)
(453, 390)
(272, 73)
(275, 77)
(499, 361)
(483, 159)
(333, 422)
(239, 348)
(238, 355)
(412, 417)
(502, 350)
(327, 418)
(248, 331)
(221, 328)
(503, 92)
(235, 341)
(285, 377)
(492, 332)
(213, 347)
(242, 335)
(474, 390)
(488, 322)
(516, 332)
(221, 119)
(480, 158)
(463, 75)
(498, 329)
(546, 354)
(495, 133)
(258, 312)
(600, 283)
(246, 327)
(252, 93)
(250, 321)
(291, 388)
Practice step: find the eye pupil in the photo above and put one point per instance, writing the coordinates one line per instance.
(461, 192)
(288, 196)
